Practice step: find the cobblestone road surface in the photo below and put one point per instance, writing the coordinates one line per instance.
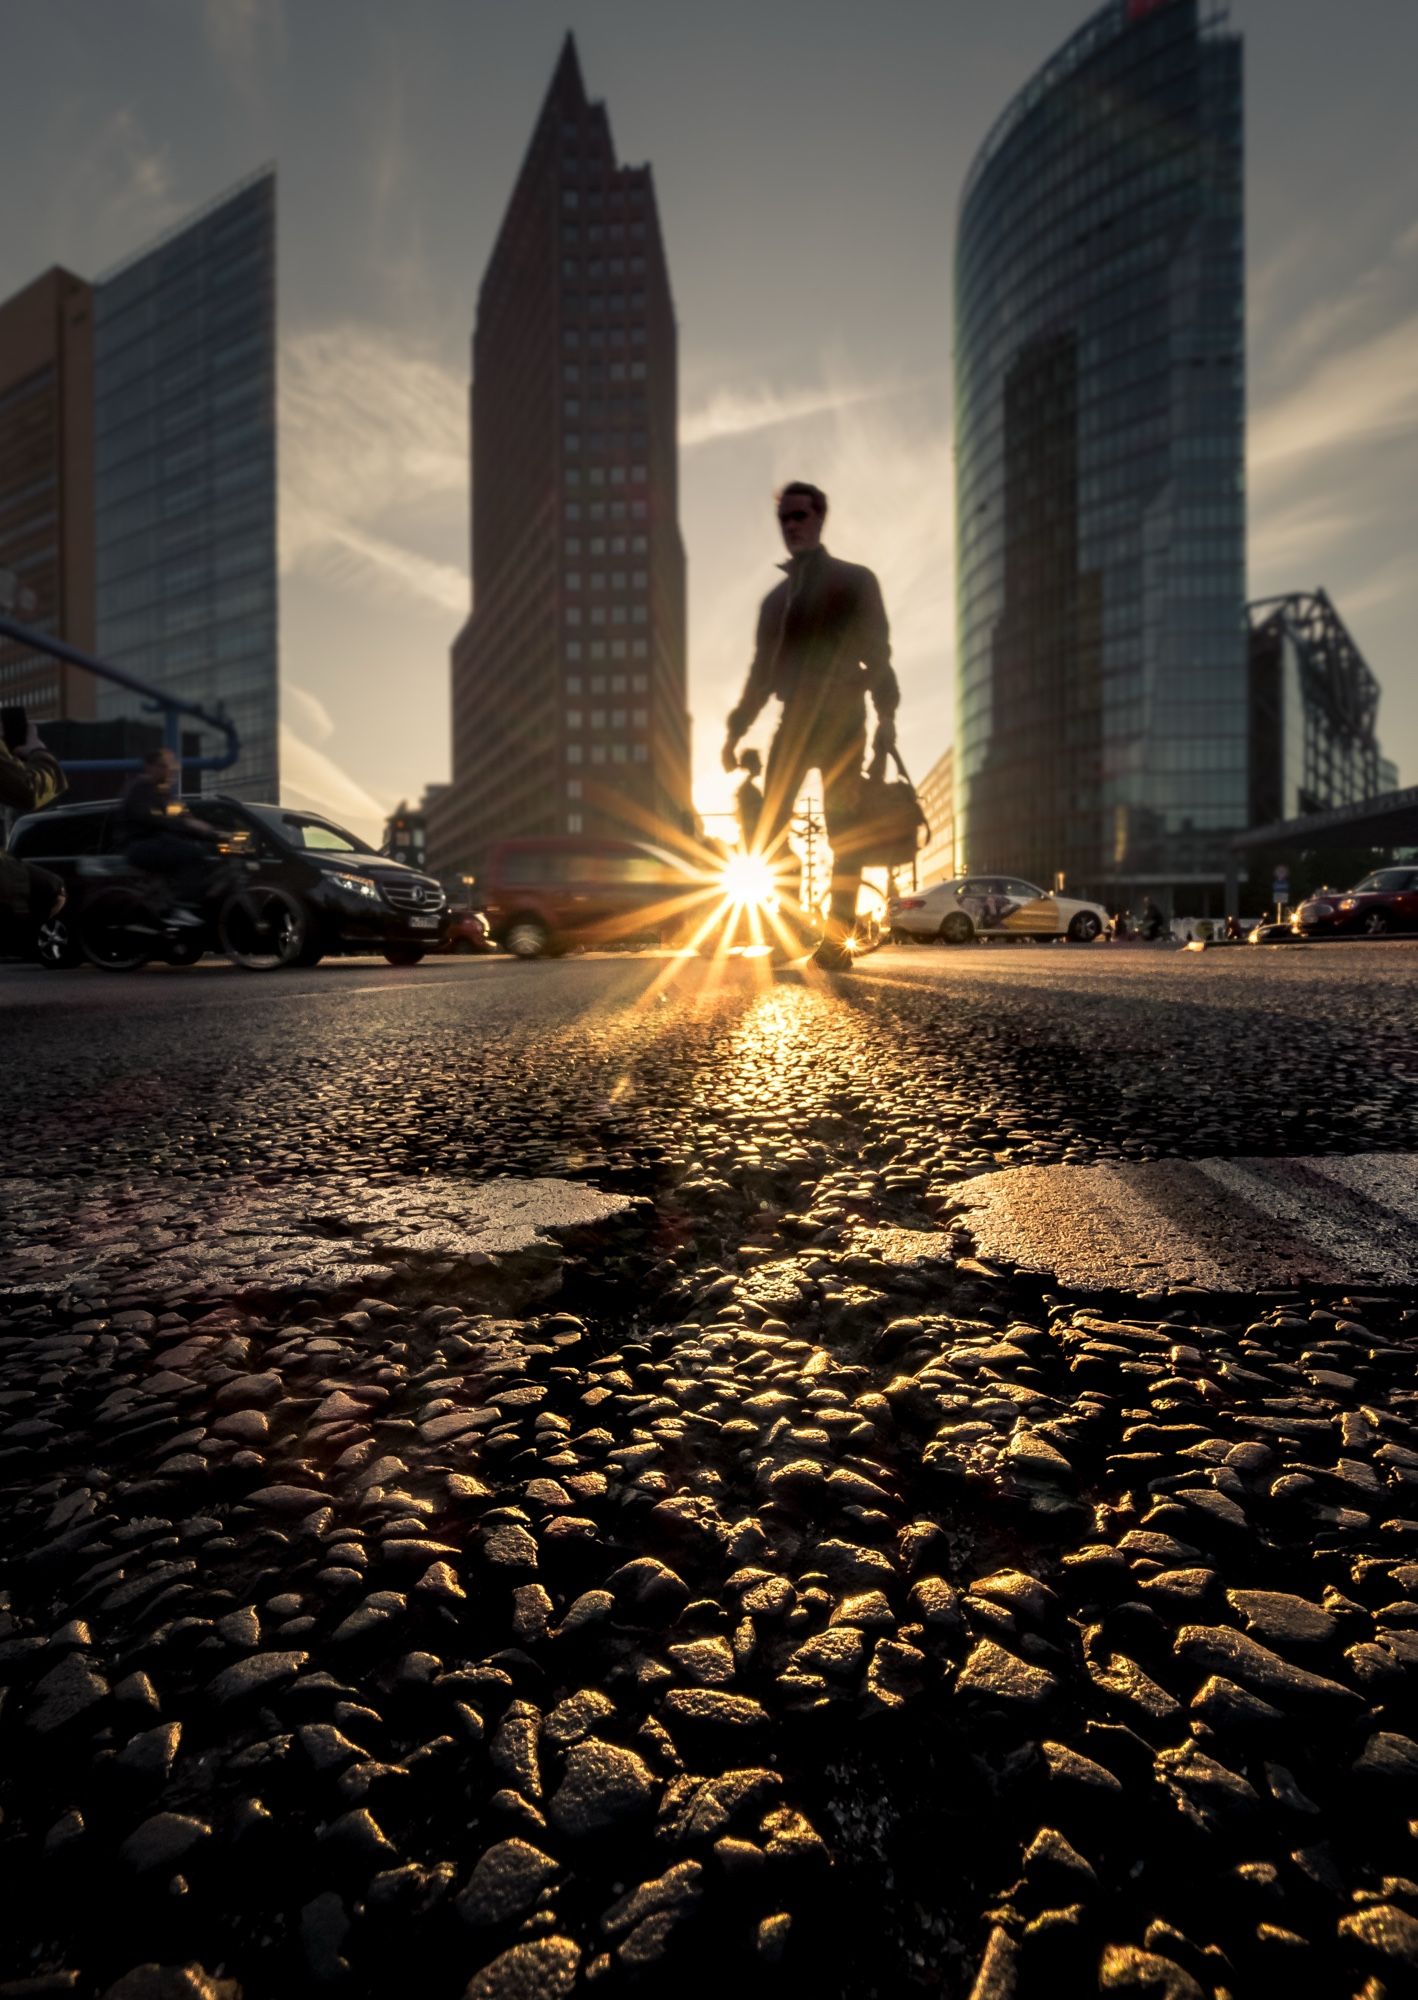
(737, 1580)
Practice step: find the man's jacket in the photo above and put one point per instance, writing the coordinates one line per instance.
(28, 779)
(822, 644)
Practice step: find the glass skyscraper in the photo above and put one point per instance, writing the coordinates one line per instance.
(185, 474)
(1100, 453)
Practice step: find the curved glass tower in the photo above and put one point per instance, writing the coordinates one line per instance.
(1100, 465)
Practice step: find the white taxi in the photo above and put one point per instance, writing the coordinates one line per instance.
(993, 906)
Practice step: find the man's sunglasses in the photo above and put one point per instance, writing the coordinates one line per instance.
(796, 514)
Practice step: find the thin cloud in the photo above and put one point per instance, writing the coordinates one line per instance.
(346, 554)
(369, 427)
(1290, 541)
(114, 189)
(312, 779)
(733, 414)
(1368, 391)
(316, 724)
(247, 39)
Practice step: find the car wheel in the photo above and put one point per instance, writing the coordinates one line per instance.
(527, 937)
(311, 952)
(262, 928)
(404, 954)
(1375, 924)
(119, 932)
(1084, 928)
(957, 928)
(55, 945)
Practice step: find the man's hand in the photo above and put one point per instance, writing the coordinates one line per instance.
(729, 756)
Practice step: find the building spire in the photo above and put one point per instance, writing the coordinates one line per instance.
(567, 84)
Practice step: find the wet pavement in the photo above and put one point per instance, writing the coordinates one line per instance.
(706, 1566)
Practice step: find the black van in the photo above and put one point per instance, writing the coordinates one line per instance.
(347, 897)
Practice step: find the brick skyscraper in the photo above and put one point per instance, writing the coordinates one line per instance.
(47, 485)
(568, 680)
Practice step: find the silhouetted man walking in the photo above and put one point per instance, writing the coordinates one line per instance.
(822, 647)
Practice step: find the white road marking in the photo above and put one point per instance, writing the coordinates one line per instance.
(1223, 1225)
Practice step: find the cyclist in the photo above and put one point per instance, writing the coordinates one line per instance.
(160, 836)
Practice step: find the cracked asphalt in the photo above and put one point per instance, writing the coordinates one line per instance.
(725, 1574)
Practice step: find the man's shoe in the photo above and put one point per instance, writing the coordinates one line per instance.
(832, 957)
(187, 920)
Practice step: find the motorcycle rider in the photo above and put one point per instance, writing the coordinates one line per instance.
(163, 838)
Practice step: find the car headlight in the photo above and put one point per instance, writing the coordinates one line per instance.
(354, 885)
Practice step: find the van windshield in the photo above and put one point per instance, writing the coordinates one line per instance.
(316, 835)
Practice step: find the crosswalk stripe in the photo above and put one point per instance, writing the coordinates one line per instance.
(1221, 1225)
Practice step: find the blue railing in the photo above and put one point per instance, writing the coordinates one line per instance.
(171, 707)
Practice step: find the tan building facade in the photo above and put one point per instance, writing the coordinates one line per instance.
(47, 487)
(938, 860)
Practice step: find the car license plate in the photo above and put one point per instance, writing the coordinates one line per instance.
(424, 923)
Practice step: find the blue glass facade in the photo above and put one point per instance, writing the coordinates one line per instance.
(1100, 455)
(185, 474)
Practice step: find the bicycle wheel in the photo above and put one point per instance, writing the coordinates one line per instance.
(118, 932)
(262, 928)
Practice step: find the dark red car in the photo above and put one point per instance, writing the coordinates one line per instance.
(545, 895)
(1383, 902)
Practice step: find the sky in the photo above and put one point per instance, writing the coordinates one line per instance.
(808, 163)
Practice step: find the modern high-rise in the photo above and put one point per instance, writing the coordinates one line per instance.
(185, 473)
(1102, 713)
(568, 681)
(46, 487)
(138, 482)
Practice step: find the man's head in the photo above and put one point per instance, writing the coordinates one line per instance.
(161, 766)
(802, 509)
